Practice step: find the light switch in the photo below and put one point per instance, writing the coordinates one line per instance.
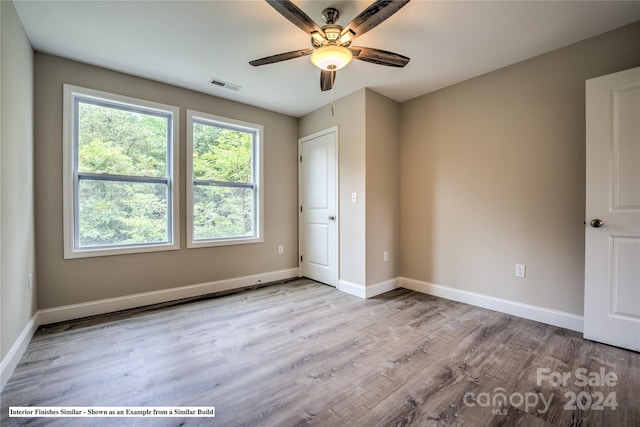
(354, 197)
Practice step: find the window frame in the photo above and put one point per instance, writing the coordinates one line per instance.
(194, 116)
(71, 175)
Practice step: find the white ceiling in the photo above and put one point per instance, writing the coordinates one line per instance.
(187, 43)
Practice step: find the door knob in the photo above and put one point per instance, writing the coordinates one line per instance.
(597, 223)
(332, 218)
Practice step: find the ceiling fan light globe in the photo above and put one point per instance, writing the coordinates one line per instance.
(331, 57)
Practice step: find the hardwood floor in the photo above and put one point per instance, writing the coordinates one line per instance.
(300, 352)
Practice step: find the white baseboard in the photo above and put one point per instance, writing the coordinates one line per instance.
(76, 311)
(367, 291)
(531, 312)
(382, 287)
(16, 351)
(352, 288)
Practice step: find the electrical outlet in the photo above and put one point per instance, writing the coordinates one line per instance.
(385, 256)
(280, 249)
(521, 270)
(30, 281)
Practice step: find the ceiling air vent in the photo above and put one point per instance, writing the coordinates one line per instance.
(224, 84)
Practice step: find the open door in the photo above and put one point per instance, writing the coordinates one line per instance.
(318, 188)
(612, 235)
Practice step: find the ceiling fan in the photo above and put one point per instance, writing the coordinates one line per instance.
(331, 46)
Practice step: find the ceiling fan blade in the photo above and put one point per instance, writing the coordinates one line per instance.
(281, 57)
(373, 16)
(327, 79)
(294, 14)
(379, 56)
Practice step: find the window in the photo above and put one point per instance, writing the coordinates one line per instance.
(120, 192)
(224, 197)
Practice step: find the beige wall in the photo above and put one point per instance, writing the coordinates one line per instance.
(493, 174)
(17, 253)
(383, 187)
(350, 119)
(369, 159)
(63, 282)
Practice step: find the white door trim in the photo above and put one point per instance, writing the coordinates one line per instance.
(333, 129)
(612, 210)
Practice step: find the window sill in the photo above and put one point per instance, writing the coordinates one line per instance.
(224, 242)
(100, 252)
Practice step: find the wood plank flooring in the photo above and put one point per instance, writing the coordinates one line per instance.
(299, 352)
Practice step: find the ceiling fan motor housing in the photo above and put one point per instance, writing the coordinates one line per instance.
(332, 35)
(331, 32)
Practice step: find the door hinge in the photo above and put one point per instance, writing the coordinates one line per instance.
(300, 208)
(300, 258)
(300, 159)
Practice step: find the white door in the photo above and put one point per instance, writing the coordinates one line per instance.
(612, 236)
(318, 183)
